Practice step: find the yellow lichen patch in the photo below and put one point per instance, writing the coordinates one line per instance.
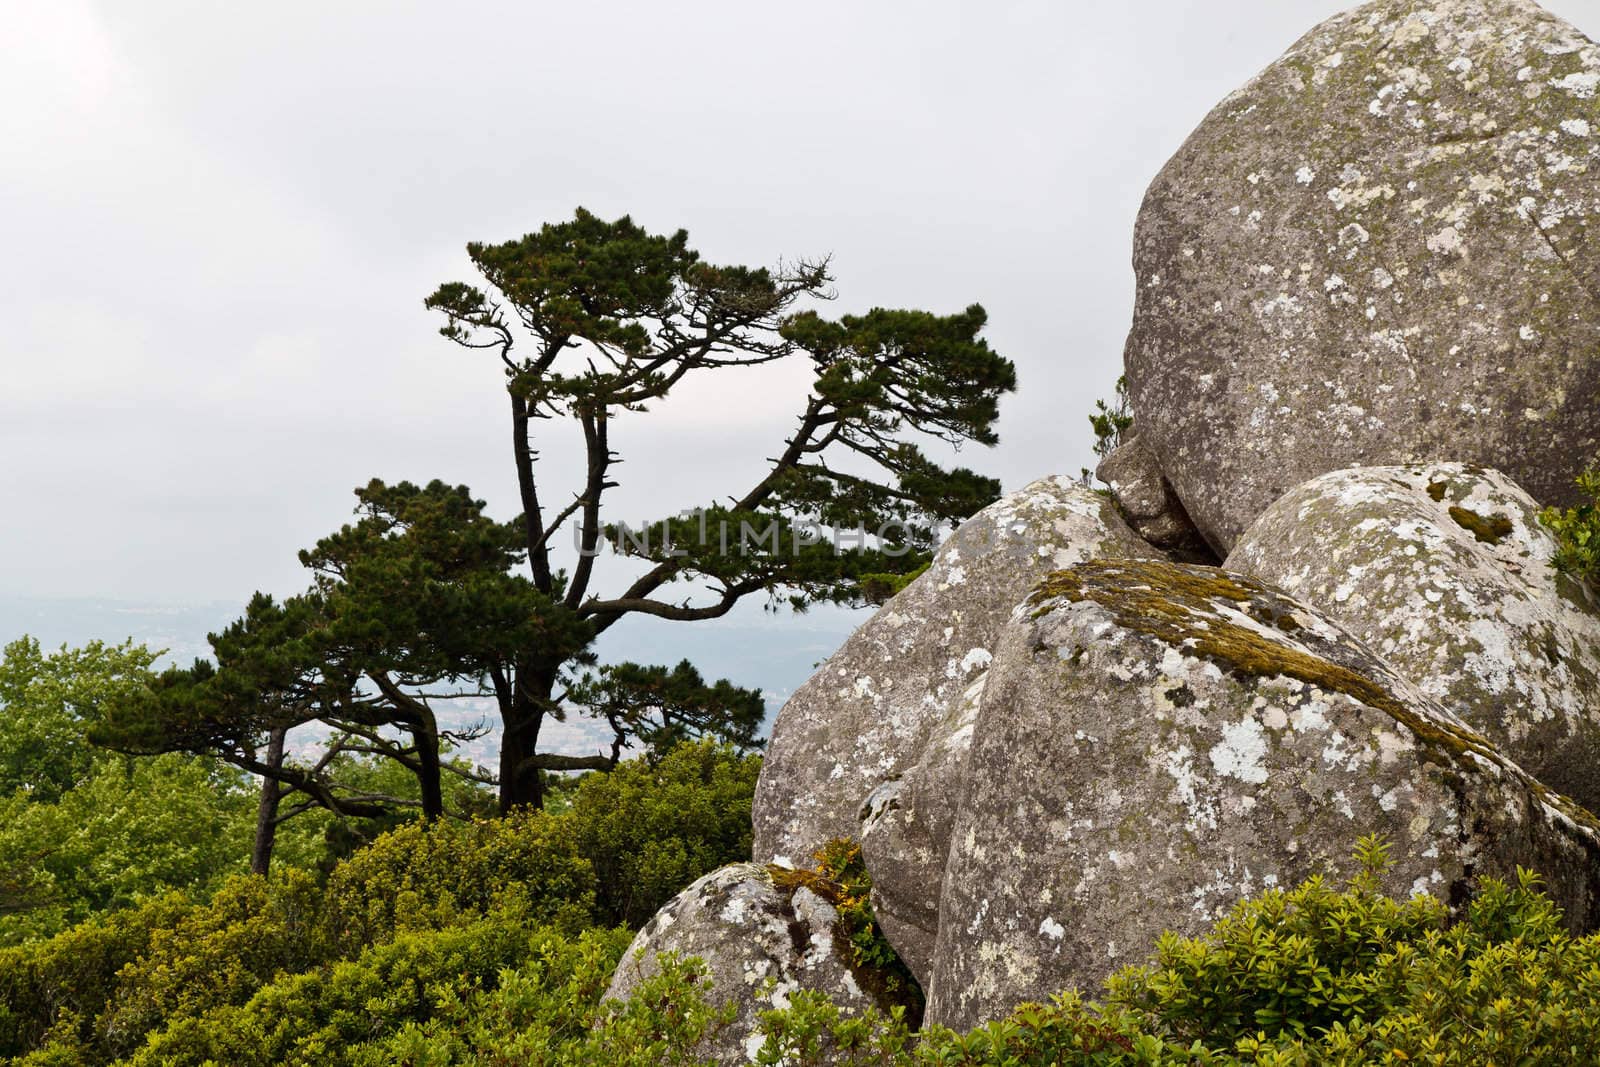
(1181, 606)
(1490, 530)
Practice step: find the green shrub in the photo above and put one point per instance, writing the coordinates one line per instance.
(425, 875)
(548, 1012)
(649, 830)
(248, 933)
(1311, 976)
(1577, 532)
(355, 1011)
(53, 991)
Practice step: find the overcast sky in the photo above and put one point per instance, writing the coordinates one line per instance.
(220, 220)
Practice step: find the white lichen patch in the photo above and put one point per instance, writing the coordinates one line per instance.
(1241, 752)
(1443, 568)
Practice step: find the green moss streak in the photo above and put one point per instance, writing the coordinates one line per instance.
(1180, 606)
(1491, 530)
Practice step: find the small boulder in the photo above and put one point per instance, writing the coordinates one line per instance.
(760, 941)
(865, 717)
(1149, 504)
(1444, 570)
(1157, 741)
(1380, 250)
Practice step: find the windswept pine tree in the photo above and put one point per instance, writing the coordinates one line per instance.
(593, 322)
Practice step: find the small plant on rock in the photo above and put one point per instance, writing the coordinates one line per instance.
(1577, 532)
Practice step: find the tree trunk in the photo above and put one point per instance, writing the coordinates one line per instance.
(429, 774)
(267, 809)
(532, 516)
(521, 784)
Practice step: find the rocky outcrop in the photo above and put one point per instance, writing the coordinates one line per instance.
(1064, 739)
(1378, 251)
(1156, 741)
(761, 943)
(1444, 571)
(867, 715)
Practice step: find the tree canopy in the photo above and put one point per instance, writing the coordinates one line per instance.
(595, 321)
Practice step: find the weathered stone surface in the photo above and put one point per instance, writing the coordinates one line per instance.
(865, 717)
(1148, 502)
(1378, 251)
(1157, 741)
(1445, 571)
(905, 834)
(760, 942)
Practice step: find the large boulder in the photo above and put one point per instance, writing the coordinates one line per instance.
(1444, 571)
(905, 834)
(1378, 251)
(867, 714)
(761, 942)
(1157, 741)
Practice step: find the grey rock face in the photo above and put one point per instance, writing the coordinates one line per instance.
(1445, 571)
(1157, 741)
(905, 835)
(868, 713)
(1378, 251)
(760, 943)
(1148, 502)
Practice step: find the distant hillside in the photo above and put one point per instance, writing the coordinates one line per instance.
(751, 647)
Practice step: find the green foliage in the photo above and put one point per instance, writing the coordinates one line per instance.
(51, 992)
(415, 596)
(1577, 532)
(131, 829)
(47, 700)
(650, 828)
(876, 589)
(426, 875)
(840, 877)
(217, 954)
(658, 708)
(1110, 423)
(549, 1013)
(401, 1000)
(83, 830)
(1310, 976)
(451, 942)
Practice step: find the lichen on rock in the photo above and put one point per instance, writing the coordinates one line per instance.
(1156, 741)
(761, 942)
(868, 714)
(1444, 571)
(1378, 251)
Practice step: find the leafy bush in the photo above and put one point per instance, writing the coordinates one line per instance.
(130, 829)
(1110, 424)
(1577, 532)
(51, 992)
(410, 991)
(220, 953)
(1314, 975)
(425, 875)
(649, 829)
(83, 830)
